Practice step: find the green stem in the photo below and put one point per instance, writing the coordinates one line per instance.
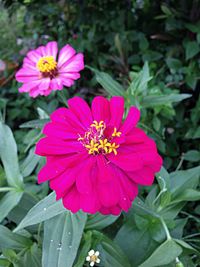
(166, 229)
(5, 189)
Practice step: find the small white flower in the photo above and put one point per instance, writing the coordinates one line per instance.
(93, 257)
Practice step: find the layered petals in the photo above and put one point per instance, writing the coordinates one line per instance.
(50, 71)
(95, 160)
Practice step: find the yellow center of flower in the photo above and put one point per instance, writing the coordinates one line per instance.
(95, 141)
(93, 258)
(46, 64)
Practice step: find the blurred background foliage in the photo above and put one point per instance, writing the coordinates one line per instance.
(147, 51)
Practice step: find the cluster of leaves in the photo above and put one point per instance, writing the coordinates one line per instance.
(146, 51)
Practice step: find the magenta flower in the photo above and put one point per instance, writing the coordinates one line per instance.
(95, 161)
(42, 72)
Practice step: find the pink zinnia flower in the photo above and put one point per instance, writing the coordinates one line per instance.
(95, 161)
(42, 72)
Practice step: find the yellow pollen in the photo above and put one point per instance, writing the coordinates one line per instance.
(46, 64)
(104, 144)
(97, 141)
(92, 147)
(97, 125)
(113, 148)
(93, 258)
(115, 133)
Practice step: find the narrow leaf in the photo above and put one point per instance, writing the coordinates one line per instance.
(164, 254)
(43, 210)
(8, 154)
(62, 236)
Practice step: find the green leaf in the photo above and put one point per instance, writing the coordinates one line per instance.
(32, 257)
(158, 100)
(84, 249)
(62, 236)
(99, 221)
(164, 254)
(140, 81)
(182, 180)
(8, 202)
(29, 164)
(43, 210)
(131, 239)
(112, 255)
(8, 154)
(192, 155)
(9, 239)
(173, 63)
(191, 49)
(187, 195)
(4, 263)
(34, 124)
(108, 83)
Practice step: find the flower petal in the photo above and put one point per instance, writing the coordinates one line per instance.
(81, 109)
(101, 109)
(75, 64)
(65, 54)
(25, 75)
(131, 120)
(117, 111)
(51, 146)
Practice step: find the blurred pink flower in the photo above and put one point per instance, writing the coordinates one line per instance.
(95, 161)
(42, 72)
(2, 65)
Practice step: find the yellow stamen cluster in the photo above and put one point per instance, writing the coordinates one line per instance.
(46, 64)
(95, 142)
(92, 147)
(97, 125)
(115, 133)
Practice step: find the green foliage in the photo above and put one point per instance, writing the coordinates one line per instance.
(147, 52)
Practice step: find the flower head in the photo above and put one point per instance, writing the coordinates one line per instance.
(95, 160)
(93, 257)
(43, 72)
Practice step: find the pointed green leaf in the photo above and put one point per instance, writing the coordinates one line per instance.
(164, 254)
(43, 210)
(8, 202)
(8, 154)
(62, 236)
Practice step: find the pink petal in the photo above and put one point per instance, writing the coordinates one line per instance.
(68, 75)
(58, 130)
(44, 84)
(126, 161)
(52, 146)
(75, 64)
(34, 56)
(67, 117)
(67, 82)
(52, 169)
(101, 109)
(65, 54)
(90, 203)
(52, 49)
(145, 176)
(28, 64)
(63, 183)
(117, 110)
(25, 75)
(26, 87)
(71, 200)
(104, 169)
(85, 178)
(56, 84)
(108, 192)
(81, 109)
(131, 120)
